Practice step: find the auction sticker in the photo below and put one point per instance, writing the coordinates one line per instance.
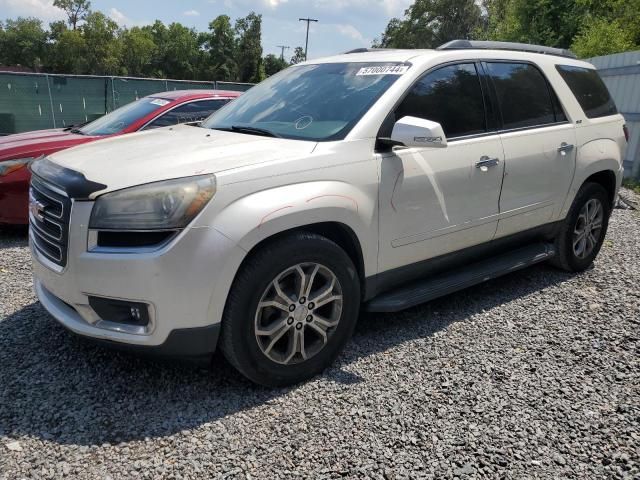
(383, 70)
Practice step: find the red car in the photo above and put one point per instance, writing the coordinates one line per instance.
(154, 111)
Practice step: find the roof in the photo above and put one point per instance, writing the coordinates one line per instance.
(425, 57)
(195, 94)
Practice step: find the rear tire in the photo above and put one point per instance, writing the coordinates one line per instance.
(292, 308)
(583, 231)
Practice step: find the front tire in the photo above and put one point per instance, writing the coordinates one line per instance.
(292, 307)
(583, 231)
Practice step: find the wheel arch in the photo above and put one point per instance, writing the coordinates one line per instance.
(607, 179)
(339, 233)
(598, 161)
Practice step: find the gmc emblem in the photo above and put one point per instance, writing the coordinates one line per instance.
(36, 208)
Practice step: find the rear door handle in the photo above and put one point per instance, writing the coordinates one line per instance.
(565, 148)
(486, 162)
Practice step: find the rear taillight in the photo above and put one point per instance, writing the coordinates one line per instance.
(626, 133)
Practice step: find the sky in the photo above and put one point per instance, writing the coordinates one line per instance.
(343, 24)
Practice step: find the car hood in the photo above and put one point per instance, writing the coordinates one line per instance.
(173, 152)
(40, 142)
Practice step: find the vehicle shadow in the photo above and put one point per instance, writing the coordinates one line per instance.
(63, 389)
(11, 237)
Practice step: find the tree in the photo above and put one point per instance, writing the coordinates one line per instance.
(177, 51)
(220, 43)
(602, 37)
(543, 22)
(104, 49)
(181, 52)
(24, 42)
(592, 27)
(298, 56)
(69, 53)
(76, 10)
(138, 49)
(249, 48)
(430, 23)
(273, 64)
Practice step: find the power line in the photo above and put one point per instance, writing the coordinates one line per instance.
(306, 45)
(283, 47)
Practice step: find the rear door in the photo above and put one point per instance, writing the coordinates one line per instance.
(539, 146)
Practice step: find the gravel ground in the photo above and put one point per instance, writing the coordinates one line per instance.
(535, 375)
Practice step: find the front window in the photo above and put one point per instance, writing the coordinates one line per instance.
(309, 102)
(123, 117)
(451, 96)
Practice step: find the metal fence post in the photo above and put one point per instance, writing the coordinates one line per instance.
(53, 113)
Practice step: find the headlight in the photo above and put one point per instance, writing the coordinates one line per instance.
(9, 166)
(167, 205)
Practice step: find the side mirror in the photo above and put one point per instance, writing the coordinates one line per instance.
(417, 132)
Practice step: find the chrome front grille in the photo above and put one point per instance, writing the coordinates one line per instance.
(49, 213)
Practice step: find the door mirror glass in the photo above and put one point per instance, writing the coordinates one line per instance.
(418, 132)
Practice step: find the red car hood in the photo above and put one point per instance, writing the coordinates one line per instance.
(41, 142)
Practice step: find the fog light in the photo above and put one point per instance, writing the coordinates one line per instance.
(121, 311)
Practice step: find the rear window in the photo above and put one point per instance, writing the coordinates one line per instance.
(589, 90)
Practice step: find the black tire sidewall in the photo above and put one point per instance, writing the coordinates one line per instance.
(240, 345)
(586, 193)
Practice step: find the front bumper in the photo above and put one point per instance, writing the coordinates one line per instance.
(185, 284)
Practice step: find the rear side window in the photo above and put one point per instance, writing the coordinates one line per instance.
(524, 95)
(187, 113)
(451, 96)
(589, 90)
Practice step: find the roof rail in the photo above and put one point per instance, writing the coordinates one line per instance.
(365, 50)
(516, 47)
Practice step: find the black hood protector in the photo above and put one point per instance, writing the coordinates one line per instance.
(73, 183)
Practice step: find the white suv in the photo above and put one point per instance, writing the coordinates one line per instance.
(380, 179)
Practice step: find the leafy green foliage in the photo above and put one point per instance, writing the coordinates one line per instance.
(249, 49)
(76, 10)
(590, 27)
(23, 42)
(600, 36)
(220, 44)
(298, 56)
(273, 64)
(430, 23)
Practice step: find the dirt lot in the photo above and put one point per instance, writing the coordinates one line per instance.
(535, 375)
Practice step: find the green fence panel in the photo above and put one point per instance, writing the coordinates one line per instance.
(24, 103)
(77, 99)
(234, 86)
(127, 90)
(41, 101)
(179, 85)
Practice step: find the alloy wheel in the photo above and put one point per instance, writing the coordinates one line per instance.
(298, 313)
(588, 228)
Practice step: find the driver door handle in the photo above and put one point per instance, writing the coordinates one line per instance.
(565, 148)
(486, 162)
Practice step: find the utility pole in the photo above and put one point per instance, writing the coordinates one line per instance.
(306, 45)
(283, 47)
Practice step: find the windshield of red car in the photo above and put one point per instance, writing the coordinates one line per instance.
(123, 117)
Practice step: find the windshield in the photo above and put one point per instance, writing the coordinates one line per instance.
(309, 102)
(123, 117)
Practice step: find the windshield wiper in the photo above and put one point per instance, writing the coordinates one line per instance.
(77, 131)
(254, 131)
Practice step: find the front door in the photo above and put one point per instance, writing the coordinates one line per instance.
(437, 200)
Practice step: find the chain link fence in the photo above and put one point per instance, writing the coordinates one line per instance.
(34, 101)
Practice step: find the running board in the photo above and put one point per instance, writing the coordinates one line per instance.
(423, 291)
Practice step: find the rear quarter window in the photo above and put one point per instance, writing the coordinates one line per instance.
(589, 90)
